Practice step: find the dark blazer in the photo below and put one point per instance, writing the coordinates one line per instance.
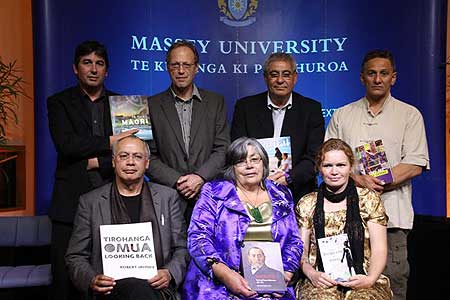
(209, 138)
(303, 122)
(84, 258)
(70, 128)
(265, 278)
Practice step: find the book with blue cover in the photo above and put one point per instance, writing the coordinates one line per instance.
(129, 112)
(279, 152)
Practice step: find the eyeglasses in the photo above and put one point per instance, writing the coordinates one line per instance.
(248, 162)
(136, 156)
(178, 65)
(284, 74)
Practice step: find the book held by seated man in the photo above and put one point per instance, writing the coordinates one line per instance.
(128, 250)
(337, 257)
(372, 161)
(263, 267)
(129, 112)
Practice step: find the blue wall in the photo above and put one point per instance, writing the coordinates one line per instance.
(327, 38)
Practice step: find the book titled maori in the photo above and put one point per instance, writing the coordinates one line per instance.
(129, 112)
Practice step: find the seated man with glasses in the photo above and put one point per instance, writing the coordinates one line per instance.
(281, 112)
(189, 128)
(129, 199)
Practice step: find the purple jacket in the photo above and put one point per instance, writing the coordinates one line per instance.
(217, 230)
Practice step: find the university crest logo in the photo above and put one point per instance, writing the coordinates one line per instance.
(237, 13)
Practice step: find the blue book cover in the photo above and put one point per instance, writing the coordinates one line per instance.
(279, 152)
(129, 112)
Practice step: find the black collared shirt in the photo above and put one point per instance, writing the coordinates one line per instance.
(97, 110)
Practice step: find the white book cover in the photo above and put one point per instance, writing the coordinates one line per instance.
(128, 250)
(279, 152)
(337, 257)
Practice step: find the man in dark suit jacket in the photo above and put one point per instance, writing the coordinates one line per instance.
(282, 112)
(129, 200)
(189, 128)
(80, 126)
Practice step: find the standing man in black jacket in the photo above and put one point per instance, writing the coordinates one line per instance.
(281, 112)
(80, 126)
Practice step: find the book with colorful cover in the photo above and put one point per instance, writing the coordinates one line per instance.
(128, 250)
(129, 112)
(279, 152)
(336, 257)
(262, 266)
(372, 161)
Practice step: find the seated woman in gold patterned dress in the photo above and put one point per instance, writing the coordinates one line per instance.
(340, 207)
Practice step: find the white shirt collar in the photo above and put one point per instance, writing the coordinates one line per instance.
(271, 105)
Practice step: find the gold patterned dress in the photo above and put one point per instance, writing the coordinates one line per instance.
(371, 209)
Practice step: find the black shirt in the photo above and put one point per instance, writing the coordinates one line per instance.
(133, 204)
(97, 110)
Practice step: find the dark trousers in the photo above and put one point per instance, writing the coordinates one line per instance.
(62, 288)
(397, 267)
(132, 289)
(187, 207)
(188, 212)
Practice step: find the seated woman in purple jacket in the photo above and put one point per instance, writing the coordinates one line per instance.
(243, 206)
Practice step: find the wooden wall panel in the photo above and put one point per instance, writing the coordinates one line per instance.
(16, 43)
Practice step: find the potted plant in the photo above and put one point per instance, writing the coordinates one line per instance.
(11, 87)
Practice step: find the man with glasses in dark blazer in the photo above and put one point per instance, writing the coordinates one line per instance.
(280, 112)
(189, 128)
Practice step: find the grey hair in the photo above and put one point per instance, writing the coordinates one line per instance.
(262, 251)
(237, 152)
(279, 56)
(146, 147)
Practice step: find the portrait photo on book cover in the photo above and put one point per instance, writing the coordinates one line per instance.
(263, 267)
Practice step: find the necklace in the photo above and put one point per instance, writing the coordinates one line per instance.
(254, 210)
